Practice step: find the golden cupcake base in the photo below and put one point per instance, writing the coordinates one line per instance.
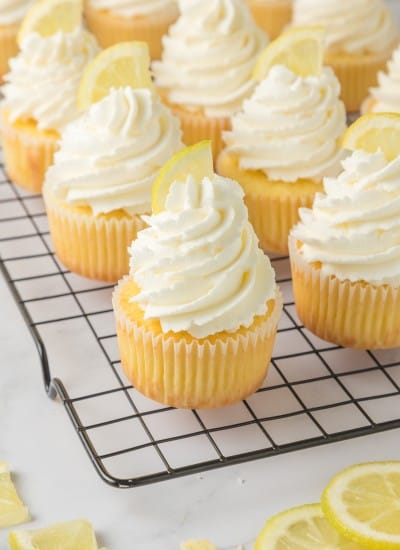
(355, 315)
(181, 371)
(273, 205)
(272, 16)
(8, 47)
(92, 246)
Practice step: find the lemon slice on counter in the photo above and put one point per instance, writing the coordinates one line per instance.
(305, 528)
(12, 509)
(72, 535)
(300, 49)
(124, 64)
(197, 545)
(363, 503)
(375, 131)
(196, 160)
(46, 17)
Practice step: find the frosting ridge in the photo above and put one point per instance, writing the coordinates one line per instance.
(13, 11)
(386, 96)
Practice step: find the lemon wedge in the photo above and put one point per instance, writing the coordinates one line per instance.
(363, 503)
(124, 64)
(373, 132)
(46, 17)
(197, 545)
(304, 527)
(196, 160)
(12, 509)
(300, 49)
(72, 535)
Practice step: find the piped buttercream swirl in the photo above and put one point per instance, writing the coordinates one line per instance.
(134, 8)
(353, 229)
(109, 158)
(13, 11)
(198, 265)
(386, 96)
(209, 55)
(291, 127)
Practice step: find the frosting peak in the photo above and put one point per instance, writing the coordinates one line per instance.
(211, 38)
(13, 11)
(198, 265)
(386, 97)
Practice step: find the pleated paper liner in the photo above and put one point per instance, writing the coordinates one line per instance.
(272, 16)
(92, 246)
(355, 315)
(8, 47)
(181, 371)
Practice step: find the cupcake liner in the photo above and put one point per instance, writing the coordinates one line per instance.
(181, 371)
(357, 74)
(8, 47)
(272, 16)
(356, 315)
(273, 206)
(110, 28)
(28, 152)
(92, 246)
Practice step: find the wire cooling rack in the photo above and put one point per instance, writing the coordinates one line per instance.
(315, 393)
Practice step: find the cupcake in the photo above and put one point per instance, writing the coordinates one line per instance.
(271, 15)
(102, 177)
(284, 141)
(206, 66)
(345, 254)
(40, 100)
(113, 21)
(11, 14)
(385, 98)
(361, 35)
(197, 315)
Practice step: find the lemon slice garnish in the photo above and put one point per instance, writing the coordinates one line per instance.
(373, 132)
(12, 509)
(46, 17)
(124, 64)
(196, 160)
(363, 503)
(300, 49)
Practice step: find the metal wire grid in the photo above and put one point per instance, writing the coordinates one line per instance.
(315, 393)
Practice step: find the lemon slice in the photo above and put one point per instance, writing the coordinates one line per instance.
(363, 503)
(375, 131)
(46, 17)
(72, 535)
(196, 160)
(197, 545)
(124, 64)
(305, 528)
(12, 509)
(300, 49)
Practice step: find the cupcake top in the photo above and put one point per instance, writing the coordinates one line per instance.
(386, 97)
(198, 265)
(12, 11)
(43, 80)
(353, 229)
(353, 26)
(291, 126)
(133, 8)
(209, 55)
(110, 156)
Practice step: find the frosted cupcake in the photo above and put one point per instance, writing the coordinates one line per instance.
(272, 15)
(205, 71)
(345, 254)
(40, 100)
(11, 14)
(113, 21)
(385, 98)
(282, 144)
(361, 35)
(197, 315)
(101, 180)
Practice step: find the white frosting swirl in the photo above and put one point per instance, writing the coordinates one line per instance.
(354, 229)
(353, 26)
(43, 80)
(386, 97)
(13, 11)
(109, 158)
(209, 55)
(134, 8)
(291, 127)
(198, 265)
